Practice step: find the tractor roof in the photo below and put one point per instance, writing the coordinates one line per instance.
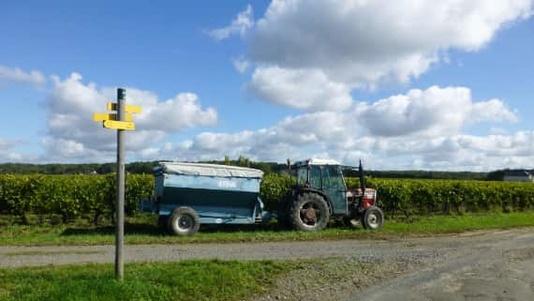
(317, 162)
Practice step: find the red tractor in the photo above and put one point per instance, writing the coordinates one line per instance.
(321, 194)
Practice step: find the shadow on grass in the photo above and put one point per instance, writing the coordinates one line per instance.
(154, 230)
(145, 229)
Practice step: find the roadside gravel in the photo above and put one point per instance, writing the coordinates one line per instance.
(476, 266)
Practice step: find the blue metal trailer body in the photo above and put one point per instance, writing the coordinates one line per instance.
(219, 194)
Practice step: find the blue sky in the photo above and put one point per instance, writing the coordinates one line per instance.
(309, 68)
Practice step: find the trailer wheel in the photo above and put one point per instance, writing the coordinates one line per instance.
(373, 218)
(309, 212)
(184, 221)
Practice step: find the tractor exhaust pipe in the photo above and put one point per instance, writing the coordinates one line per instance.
(362, 177)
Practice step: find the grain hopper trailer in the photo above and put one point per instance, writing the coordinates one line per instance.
(189, 194)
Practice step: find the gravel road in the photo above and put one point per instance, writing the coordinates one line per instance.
(496, 265)
(493, 266)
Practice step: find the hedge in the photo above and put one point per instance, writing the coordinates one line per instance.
(92, 196)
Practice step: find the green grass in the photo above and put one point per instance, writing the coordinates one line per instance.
(187, 280)
(142, 232)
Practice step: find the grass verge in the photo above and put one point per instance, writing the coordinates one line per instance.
(187, 280)
(146, 233)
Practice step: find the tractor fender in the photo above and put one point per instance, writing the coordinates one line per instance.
(301, 190)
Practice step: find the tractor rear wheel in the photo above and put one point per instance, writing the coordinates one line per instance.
(373, 218)
(184, 221)
(309, 212)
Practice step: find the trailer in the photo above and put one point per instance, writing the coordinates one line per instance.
(189, 194)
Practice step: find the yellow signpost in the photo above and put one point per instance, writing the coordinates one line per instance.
(111, 116)
(112, 106)
(119, 125)
(120, 120)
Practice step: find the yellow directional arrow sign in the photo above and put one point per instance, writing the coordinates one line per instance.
(119, 125)
(112, 106)
(111, 116)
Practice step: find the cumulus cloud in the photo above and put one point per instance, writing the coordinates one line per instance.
(363, 41)
(175, 114)
(18, 75)
(354, 44)
(73, 135)
(311, 56)
(242, 23)
(302, 89)
(432, 112)
(419, 129)
(8, 152)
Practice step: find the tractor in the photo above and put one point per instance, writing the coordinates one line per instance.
(321, 195)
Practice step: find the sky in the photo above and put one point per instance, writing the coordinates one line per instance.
(410, 84)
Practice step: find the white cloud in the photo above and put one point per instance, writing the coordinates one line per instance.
(175, 114)
(242, 23)
(310, 55)
(73, 135)
(493, 109)
(359, 43)
(241, 64)
(20, 76)
(432, 112)
(8, 152)
(5, 144)
(302, 89)
(419, 129)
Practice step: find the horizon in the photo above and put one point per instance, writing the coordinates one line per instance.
(263, 162)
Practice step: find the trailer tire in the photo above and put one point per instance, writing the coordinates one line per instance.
(184, 221)
(309, 212)
(373, 218)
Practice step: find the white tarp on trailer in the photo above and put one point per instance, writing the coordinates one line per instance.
(213, 170)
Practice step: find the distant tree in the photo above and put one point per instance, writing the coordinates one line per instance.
(497, 175)
(243, 161)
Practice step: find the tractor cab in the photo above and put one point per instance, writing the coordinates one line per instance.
(324, 176)
(321, 181)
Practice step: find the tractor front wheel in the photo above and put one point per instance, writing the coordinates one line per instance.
(373, 218)
(309, 212)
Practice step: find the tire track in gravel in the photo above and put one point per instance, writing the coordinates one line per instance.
(18, 256)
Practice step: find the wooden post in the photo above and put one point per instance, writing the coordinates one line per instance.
(119, 235)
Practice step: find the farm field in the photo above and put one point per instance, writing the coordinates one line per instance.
(70, 197)
(76, 210)
(143, 230)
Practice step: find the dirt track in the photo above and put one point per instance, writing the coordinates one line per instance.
(476, 266)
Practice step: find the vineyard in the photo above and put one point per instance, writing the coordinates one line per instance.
(70, 197)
